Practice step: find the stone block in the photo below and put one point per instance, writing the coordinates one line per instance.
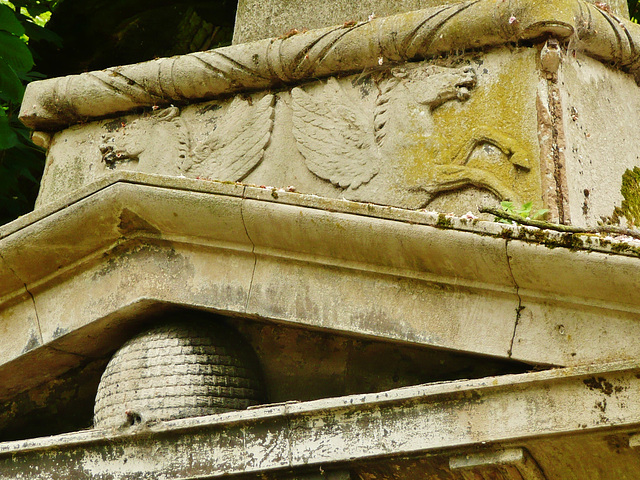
(599, 107)
(19, 328)
(426, 135)
(366, 112)
(516, 464)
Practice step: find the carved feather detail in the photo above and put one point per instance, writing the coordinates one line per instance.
(381, 111)
(334, 136)
(237, 145)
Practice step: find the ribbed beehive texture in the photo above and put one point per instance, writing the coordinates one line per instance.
(178, 370)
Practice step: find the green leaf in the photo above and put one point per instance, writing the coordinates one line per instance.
(11, 88)
(9, 21)
(540, 214)
(8, 137)
(36, 9)
(507, 206)
(15, 52)
(37, 33)
(525, 210)
(20, 129)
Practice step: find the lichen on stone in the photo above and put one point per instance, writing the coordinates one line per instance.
(630, 208)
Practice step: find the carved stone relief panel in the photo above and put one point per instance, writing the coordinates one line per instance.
(446, 134)
(225, 147)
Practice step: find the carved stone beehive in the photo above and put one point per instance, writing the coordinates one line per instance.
(178, 370)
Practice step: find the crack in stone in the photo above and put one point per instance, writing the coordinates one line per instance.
(35, 311)
(520, 307)
(26, 289)
(557, 149)
(253, 247)
(84, 357)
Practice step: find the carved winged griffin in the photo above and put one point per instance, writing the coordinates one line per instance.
(345, 143)
(229, 152)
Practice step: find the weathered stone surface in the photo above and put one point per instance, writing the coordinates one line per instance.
(448, 134)
(409, 136)
(400, 275)
(306, 364)
(356, 128)
(183, 367)
(537, 411)
(297, 364)
(60, 404)
(514, 463)
(596, 157)
(256, 19)
(20, 327)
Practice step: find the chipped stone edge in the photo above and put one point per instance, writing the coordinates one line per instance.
(595, 378)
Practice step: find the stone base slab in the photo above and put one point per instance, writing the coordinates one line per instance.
(567, 423)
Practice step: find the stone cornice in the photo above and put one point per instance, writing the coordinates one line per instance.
(272, 63)
(464, 279)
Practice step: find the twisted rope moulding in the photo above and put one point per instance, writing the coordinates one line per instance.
(272, 63)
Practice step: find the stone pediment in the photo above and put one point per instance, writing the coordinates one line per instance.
(438, 281)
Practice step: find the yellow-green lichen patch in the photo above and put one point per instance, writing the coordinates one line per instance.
(489, 140)
(630, 190)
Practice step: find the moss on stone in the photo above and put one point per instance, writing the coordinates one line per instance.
(630, 190)
(500, 107)
(444, 221)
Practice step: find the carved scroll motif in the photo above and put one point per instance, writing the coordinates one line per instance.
(54, 103)
(347, 145)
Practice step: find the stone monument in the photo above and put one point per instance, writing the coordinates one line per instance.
(317, 194)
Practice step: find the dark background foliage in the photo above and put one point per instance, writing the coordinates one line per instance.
(84, 35)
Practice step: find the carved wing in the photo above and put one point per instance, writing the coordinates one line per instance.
(237, 145)
(335, 138)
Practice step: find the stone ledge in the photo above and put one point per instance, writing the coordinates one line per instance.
(595, 405)
(610, 243)
(56, 103)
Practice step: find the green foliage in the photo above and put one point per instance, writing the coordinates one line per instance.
(634, 9)
(21, 162)
(525, 211)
